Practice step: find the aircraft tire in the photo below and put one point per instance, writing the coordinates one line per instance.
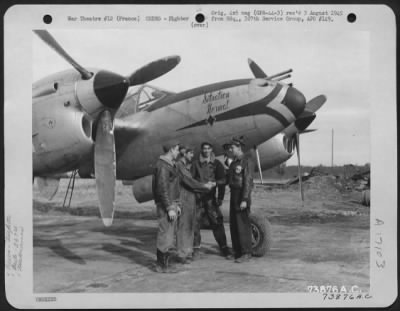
(261, 234)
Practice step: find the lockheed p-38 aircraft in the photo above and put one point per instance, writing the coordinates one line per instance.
(86, 120)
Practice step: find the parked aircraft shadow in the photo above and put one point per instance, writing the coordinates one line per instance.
(88, 210)
(148, 246)
(135, 256)
(144, 237)
(56, 246)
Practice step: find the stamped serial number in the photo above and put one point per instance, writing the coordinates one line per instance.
(333, 289)
(46, 299)
(346, 296)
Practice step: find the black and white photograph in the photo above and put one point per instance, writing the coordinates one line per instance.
(209, 155)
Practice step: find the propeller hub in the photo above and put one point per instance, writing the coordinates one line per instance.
(110, 88)
(295, 101)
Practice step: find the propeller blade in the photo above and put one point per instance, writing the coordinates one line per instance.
(50, 41)
(297, 142)
(307, 131)
(314, 104)
(290, 130)
(259, 166)
(256, 70)
(304, 120)
(308, 115)
(153, 70)
(104, 165)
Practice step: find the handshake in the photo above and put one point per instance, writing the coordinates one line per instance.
(175, 212)
(210, 185)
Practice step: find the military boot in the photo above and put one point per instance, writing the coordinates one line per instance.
(226, 253)
(169, 267)
(196, 254)
(163, 265)
(160, 262)
(243, 258)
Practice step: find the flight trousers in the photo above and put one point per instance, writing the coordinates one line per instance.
(239, 223)
(186, 226)
(207, 207)
(166, 230)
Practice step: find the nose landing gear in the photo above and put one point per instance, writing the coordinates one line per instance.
(261, 234)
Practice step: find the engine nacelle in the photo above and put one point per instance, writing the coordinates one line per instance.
(142, 189)
(275, 151)
(62, 136)
(64, 107)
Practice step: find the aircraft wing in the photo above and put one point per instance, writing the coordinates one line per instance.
(127, 129)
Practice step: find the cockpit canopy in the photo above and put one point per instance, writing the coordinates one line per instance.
(147, 95)
(140, 98)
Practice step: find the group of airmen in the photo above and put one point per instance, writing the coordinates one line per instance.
(186, 190)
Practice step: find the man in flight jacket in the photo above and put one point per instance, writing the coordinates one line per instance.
(166, 196)
(205, 169)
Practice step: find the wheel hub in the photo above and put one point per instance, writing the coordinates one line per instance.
(255, 236)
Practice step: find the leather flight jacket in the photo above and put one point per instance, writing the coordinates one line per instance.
(240, 176)
(205, 170)
(165, 184)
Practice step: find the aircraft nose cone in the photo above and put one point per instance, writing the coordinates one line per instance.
(110, 88)
(295, 101)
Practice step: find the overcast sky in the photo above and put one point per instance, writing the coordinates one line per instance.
(335, 64)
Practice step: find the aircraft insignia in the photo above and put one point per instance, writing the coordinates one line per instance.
(210, 120)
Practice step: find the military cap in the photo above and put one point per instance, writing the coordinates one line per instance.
(170, 144)
(237, 141)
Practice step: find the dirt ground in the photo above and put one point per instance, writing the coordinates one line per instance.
(324, 241)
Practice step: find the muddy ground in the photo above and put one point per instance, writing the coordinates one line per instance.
(324, 241)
